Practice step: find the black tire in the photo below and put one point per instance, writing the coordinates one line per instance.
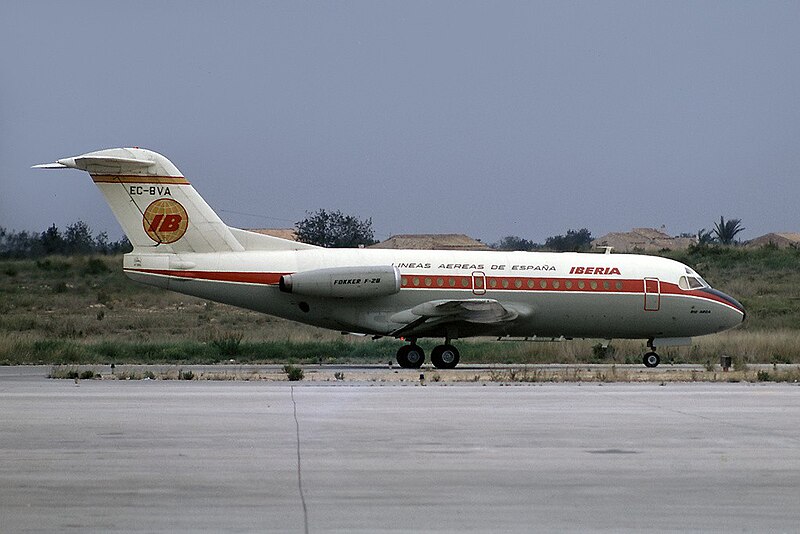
(445, 357)
(651, 359)
(410, 357)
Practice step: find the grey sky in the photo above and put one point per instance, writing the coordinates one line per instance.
(485, 118)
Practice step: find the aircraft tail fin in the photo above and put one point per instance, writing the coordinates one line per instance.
(156, 205)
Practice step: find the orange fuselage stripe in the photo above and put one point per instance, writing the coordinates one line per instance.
(135, 179)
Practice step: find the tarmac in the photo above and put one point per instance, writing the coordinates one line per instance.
(195, 456)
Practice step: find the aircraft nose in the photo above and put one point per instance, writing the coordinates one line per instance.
(731, 303)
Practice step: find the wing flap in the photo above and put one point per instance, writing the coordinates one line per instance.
(470, 310)
(477, 311)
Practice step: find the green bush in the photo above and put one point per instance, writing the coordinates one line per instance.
(95, 266)
(295, 374)
(599, 352)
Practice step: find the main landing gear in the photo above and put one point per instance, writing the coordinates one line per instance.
(410, 356)
(442, 357)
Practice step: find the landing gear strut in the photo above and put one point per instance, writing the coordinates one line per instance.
(410, 356)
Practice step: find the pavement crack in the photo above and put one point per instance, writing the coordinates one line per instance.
(299, 465)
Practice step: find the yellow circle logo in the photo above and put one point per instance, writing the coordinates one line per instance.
(165, 220)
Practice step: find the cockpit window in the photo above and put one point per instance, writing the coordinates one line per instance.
(691, 282)
(694, 283)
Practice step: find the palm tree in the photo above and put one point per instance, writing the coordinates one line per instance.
(726, 230)
(705, 237)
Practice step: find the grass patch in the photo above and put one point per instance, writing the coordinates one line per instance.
(63, 372)
(228, 344)
(71, 310)
(743, 347)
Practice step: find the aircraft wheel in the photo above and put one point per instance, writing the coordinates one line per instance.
(651, 359)
(445, 356)
(410, 356)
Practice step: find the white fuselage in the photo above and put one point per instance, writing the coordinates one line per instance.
(553, 294)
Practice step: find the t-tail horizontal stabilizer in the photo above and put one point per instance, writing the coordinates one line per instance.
(158, 208)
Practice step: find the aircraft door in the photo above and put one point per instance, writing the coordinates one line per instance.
(478, 283)
(652, 294)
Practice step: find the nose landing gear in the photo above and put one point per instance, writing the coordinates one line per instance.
(651, 359)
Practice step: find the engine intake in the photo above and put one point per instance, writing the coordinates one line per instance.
(344, 282)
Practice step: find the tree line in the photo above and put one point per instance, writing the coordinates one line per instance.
(572, 241)
(77, 239)
(332, 229)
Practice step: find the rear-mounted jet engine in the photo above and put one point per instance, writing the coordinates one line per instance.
(344, 282)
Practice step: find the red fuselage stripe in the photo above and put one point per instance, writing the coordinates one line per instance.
(218, 276)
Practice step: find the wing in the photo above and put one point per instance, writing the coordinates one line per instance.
(432, 315)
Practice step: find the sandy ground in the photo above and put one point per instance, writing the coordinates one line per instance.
(464, 373)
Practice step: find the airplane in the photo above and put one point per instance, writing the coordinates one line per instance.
(180, 244)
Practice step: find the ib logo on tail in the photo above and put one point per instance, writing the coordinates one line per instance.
(165, 220)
